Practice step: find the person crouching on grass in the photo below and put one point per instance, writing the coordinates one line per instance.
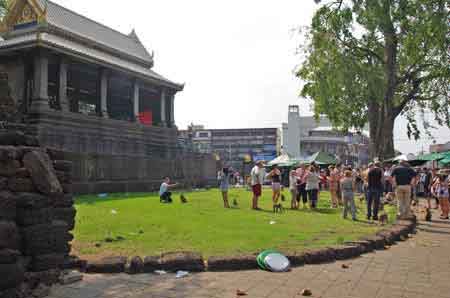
(165, 195)
(348, 188)
(275, 176)
(440, 190)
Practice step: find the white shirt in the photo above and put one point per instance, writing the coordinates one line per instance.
(257, 175)
(292, 182)
(163, 189)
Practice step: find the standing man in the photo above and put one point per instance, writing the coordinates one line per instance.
(257, 176)
(301, 185)
(404, 178)
(375, 190)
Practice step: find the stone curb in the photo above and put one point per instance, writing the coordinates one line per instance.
(194, 262)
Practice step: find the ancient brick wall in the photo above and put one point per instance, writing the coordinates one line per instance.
(36, 215)
(102, 173)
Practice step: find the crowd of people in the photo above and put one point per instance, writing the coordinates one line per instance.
(376, 183)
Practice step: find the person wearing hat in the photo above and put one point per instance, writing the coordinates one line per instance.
(257, 176)
(404, 177)
(440, 190)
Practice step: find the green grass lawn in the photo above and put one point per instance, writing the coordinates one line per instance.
(204, 225)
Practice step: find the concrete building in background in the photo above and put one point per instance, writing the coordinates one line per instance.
(234, 147)
(297, 128)
(304, 136)
(438, 148)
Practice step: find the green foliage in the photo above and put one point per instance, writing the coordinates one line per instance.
(3, 8)
(204, 225)
(366, 58)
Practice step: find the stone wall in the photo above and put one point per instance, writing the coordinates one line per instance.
(94, 173)
(36, 215)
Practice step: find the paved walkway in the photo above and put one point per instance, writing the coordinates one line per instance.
(417, 268)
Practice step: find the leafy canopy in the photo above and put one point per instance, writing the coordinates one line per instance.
(349, 60)
(3, 8)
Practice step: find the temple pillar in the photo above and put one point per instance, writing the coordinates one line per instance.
(40, 101)
(104, 93)
(62, 88)
(136, 100)
(172, 110)
(163, 108)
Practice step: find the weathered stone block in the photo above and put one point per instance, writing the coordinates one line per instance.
(22, 173)
(232, 263)
(67, 215)
(30, 217)
(297, 259)
(9, 256)
(63, 201)
(21, 185)
(107, 265)
(48, 277)
(13, 138)
(9, 235)
(376, 242)
(9, 153)
(63, 177)
(41, 291)
(188, 261)
(388, 236)
(152, 263)
(47, 262)
(63, 165)
(67, 188)
(32, 201)
(135, 266)
(9, 167)
(42, 172)
(347, 252)
(11, 275)
(320, 256)
(74, 262)
(46, 239)
(364, 246)
(10, 293)
(8, 206)
(3, 183)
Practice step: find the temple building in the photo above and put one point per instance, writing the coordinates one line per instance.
(83, 86)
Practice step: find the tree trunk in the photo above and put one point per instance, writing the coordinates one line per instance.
(382, 135)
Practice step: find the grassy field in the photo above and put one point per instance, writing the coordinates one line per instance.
(149, 227)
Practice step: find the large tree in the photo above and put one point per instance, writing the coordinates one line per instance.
(369, 61)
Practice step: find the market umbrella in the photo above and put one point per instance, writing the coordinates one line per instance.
(322, 158)
(282, 159)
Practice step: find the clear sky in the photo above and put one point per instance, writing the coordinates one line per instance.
(236, 57)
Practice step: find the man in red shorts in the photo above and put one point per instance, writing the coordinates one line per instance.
(257, 176)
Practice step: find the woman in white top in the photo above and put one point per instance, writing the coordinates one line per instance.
(312, 186)
(293, 189)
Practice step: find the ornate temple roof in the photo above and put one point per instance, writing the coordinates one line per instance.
(43, 23)
(67, 20)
